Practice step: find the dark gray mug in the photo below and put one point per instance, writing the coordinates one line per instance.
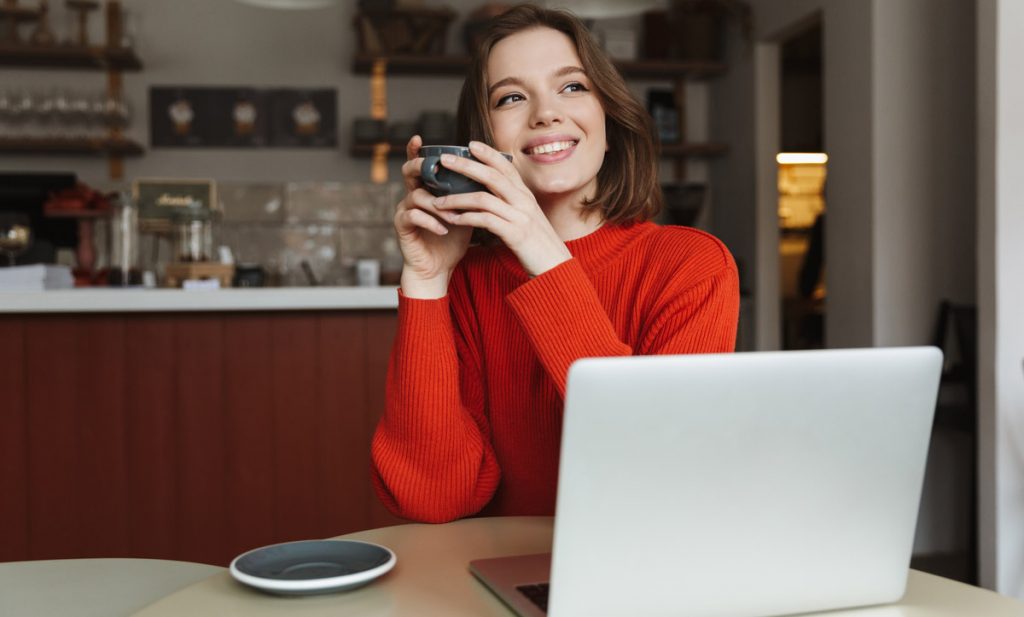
(442, 181)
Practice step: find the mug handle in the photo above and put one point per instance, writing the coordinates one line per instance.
(428, 170)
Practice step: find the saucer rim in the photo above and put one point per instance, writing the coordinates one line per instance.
(312, 584)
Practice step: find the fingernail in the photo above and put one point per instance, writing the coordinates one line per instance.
(447, 158)
(474, 145)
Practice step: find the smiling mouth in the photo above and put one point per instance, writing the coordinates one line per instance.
(551, 147)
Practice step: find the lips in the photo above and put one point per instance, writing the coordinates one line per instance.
(548, 144)
(551, 148)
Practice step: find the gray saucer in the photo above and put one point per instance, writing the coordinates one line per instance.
(312, 566)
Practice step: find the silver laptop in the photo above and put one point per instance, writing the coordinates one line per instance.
(746, 485)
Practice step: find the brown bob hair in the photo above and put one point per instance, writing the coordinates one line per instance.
(627, 183)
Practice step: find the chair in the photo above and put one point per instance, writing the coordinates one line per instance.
(956, 333)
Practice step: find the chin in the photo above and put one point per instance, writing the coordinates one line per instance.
(554, 186)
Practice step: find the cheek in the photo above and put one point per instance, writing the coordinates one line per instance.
(503, 132)
(598, 123)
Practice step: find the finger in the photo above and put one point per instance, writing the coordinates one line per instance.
(494, 158)
(496, 181)
(422, 199)
(417, 218)
(412, 150)
(497, 160)
(476, 202)
(481, 220)
(412, 168)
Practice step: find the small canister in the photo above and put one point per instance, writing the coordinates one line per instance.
(368, 272)
(195, 235)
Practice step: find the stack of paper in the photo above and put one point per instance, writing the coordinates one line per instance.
(36, 278)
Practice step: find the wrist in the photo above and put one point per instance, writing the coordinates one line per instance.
(548, 262)
(424, 288)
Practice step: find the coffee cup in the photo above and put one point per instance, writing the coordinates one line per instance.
(442, 181)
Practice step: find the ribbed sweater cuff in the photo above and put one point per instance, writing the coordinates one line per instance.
(425, 317)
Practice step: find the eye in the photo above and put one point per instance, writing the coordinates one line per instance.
(509, 98)
(575, 87)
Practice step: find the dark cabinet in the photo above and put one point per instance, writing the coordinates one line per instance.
(187, 436)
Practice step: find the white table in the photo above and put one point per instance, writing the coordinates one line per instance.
(431, 578)
(92, 587)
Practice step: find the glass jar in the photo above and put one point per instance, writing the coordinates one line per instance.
(124, 243)
(195, 235)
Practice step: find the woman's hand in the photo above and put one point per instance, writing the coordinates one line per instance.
(509, 211)
(430, 250)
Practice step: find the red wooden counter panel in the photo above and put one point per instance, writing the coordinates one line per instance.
(187, 436)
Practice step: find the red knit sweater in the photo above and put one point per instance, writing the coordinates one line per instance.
(476, 383)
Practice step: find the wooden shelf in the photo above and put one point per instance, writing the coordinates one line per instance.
(366, 150)
(56, 145)
(19, 13)
(59, 56)
(457, 65)
(76, 214)
(693, 150)
(413, 65)
(670, 69)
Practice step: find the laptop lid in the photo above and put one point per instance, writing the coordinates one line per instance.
(747, 484)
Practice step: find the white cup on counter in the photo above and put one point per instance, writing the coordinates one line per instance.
(368, 272)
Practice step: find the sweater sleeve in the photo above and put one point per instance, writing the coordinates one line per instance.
(432, 458)
(565, 320)
(702, 318)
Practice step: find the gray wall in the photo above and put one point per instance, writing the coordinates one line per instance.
(225, 43)
(1001, 292)
(732, 122)
(923, 164)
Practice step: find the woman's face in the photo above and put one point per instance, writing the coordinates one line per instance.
(544, 112)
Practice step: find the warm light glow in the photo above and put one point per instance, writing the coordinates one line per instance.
(290, 4)
(801, 158)
(801, 194)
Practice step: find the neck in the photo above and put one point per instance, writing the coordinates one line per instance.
(565, 213)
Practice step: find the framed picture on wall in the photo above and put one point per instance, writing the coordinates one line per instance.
(179, 117)
(304, 118)
(238, 118)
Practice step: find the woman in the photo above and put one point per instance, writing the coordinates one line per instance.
(486, 333)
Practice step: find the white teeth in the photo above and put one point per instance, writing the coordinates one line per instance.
(555, 146)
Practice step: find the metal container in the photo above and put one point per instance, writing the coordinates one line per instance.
(124, 243)
(194, 230)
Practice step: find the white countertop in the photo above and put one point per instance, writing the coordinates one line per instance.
(102, 300)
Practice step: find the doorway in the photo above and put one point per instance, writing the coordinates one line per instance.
(801, 173)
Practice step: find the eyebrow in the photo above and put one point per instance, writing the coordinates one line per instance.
(509, 81)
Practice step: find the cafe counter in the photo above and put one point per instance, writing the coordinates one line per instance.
(93, 300)
(188, 425)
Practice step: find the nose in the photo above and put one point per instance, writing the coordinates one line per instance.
(545, 112)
